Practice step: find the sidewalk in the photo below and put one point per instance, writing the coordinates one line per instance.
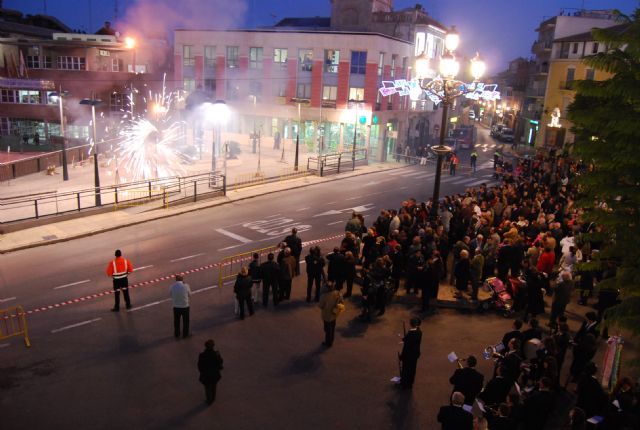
(94, 224)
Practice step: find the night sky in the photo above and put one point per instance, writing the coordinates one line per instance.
(500, 30)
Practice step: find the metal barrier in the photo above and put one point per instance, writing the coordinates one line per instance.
(291, 172)
(230, 266)
(13, 322)
(334, 162)
(248, 179)
(140, 197)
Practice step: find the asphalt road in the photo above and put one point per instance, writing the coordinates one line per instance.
(91, 368)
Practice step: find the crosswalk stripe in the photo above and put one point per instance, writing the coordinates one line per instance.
(425, 176)
(473, 184)
(415, 173)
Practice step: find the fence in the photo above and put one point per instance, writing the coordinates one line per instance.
(334, 162)
(170, 190)
(256, 178)
(13, 322)
(230, 266)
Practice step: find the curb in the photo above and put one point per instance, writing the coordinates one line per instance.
(213, 203)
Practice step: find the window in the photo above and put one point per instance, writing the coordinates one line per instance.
(393, 66)
(304, 91)
(358, 62)
(356, 93)
(575, 48)
(232, 57)
(305, 60)
(72, 63)
(29, 97)
(117, 65)
(188, 59)
(280, 56)
(331, 60)
(255, 89)
(590, 74)
(119, 102)
(189, 84)
(233, 90)
(47, 63)
(381, 64)
(594, 49)
(9, 96)
(210, 85)
(571, 75)
(255, 58)
(33, 61)
(210, 56)
(279, 88)
(329, 93)
(405, 64)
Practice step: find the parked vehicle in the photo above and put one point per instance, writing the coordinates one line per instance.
(506, 135)
(465, 136)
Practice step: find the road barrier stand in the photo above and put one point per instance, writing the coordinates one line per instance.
(13, 322)
(291, 172)
(230, 266)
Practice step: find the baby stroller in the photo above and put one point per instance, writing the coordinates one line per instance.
(500, 299)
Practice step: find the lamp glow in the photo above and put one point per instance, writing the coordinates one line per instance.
(129, 42)
(478, 67)
(449, 67)
(422, 66)
(452, 39)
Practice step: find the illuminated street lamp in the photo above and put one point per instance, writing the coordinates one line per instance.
(218, 112)
(57, 98)
(445, 88)
(96, 173)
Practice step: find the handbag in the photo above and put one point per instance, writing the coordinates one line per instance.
(339, 307)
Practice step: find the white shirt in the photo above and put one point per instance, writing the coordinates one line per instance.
(179, 293)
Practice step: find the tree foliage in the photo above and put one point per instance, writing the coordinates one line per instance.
(606, 118)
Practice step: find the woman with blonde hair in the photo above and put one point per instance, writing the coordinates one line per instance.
(242, 288)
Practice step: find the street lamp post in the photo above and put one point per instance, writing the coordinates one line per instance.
(295, 163)
(96, 172)
(218, 112)
(447, 88)
(59, 96)
(355, 135)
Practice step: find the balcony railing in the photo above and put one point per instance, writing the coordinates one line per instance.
(566, 85)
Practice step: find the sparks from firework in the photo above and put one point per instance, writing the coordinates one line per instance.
(149, 143)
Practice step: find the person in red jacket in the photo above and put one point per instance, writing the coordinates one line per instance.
(119, 269)
(545, 264)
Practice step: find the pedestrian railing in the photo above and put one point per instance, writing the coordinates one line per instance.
(169, 190)
(13, 322)
(248, 179)
(292, 173)
(230, 266)
(335, 162)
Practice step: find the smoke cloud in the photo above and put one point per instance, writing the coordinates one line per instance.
(159, 18)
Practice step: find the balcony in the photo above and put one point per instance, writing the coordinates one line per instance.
(566, 85)
(541, 46)
(535, 92)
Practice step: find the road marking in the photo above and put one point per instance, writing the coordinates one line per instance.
(353, 198)
(210, 287)
(425, 176)
(233, 235)
(403, 188)
(148, 305)
(335, 222)
(142, 268)
(473, 184)
(419, 172)
(8, 299)
(231, 247)
(272, 216)
(58, 330)
(187, 257)
(4, 345)
(302, 209)
(461, 180)
(72, 284)
(330, 203)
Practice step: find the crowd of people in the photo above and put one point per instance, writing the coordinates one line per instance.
(528, 233)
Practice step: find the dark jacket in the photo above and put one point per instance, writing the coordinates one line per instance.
(496, 391)
(411, 346)
(295, 244)
(254, 270)
(336, 269)
(270, 271)
(455, 418)
(536, 410)
(469, 382)
(243, 285)
(209, 365)
(315, 265)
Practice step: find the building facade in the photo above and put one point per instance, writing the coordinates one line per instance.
(569, 22)
(40, 57)
(316, 76)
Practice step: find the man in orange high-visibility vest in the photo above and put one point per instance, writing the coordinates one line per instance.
(119, 270)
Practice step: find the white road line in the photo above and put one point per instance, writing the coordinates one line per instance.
(420, 172)
(58, 330)
(230, 247)
(271, 216)
(187, 257)
(473, 184)
(8, 299)
(330, 203)
(354, 198)
(4, 345)
(72, 284)
(148, 305)
(302, 209)
(424, 176)
(142, 268)
(335, 222)
(233, 235)
(403, 188)
(210, 287)
(461, 180)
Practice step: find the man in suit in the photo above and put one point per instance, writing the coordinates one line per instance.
(453, 417)
(497, 389)
(210, 364)
(468, 381)
(515, 333)
(410, 353)
(536, 408)
(270, 272)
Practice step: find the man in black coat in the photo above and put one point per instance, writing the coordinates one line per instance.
(315, 270)
(515, 333)
(410, 353)
(270, 272)
(536, 407)
(468, 381)
(453, 417)
(496, 389)
(210, 365)
(295, 244)
(336, 271)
